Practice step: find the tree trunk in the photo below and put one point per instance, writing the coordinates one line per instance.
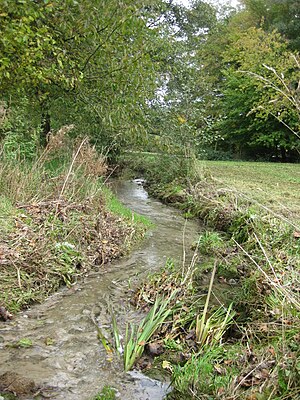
(45, 125)
(283, 154)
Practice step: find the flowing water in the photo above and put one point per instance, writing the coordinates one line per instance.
(66, 359)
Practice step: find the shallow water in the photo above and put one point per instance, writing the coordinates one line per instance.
(66, 358)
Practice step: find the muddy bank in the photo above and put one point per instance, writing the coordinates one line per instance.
(64, 359)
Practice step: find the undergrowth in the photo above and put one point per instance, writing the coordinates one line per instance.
(56, 220)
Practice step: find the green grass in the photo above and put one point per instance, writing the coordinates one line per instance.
(273, 185)
(199, 375)
(7, 215)
(117, 208)
(107, 393)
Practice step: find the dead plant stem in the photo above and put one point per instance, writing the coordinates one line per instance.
(71, 167)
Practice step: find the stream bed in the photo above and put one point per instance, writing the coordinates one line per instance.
(66, 359)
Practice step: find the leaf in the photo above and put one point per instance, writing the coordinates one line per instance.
(219, 369)
(167, 365)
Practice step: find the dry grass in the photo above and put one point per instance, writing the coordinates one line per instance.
(57, 225)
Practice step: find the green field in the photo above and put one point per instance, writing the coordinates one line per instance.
(276, 186)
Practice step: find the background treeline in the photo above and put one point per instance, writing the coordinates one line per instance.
(218, 83)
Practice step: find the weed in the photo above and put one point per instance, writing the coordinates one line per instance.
(210, 242)
(203, 375)
(137, 337)
(210, 330)
(24, 343)
(107, 393)
(8, 396)
(171, 344)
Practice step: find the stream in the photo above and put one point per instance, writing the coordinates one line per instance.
(66, 358)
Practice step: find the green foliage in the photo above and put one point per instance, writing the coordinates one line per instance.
(210, 242)
(207, 153)
(138, 336)
(24, 343)
(280, 15)
(18, 137)
(98, 70)
(250, 105)
(107, 393)
(26, 42)
(173, 345)
(162, 168)
(210, 329)
(151, 75)
(68, 260)
(250, 93)
(8, 396)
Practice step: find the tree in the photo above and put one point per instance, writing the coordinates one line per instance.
(282, 15)
(181, 97)
(100, 54)
(251, 101)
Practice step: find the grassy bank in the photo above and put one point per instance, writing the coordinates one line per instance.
(234, 333)
(58, 221)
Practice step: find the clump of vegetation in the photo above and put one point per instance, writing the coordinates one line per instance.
(107, 393)
(56, 221)
(137, 337)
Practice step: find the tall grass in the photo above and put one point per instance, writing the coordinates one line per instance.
(55, 220)
(210, 330)
(73, 169)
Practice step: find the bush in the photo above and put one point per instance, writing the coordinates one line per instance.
(215, 155)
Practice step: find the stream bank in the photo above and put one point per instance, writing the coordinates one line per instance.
(245, 344)
(58, 221)
(63, 356)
